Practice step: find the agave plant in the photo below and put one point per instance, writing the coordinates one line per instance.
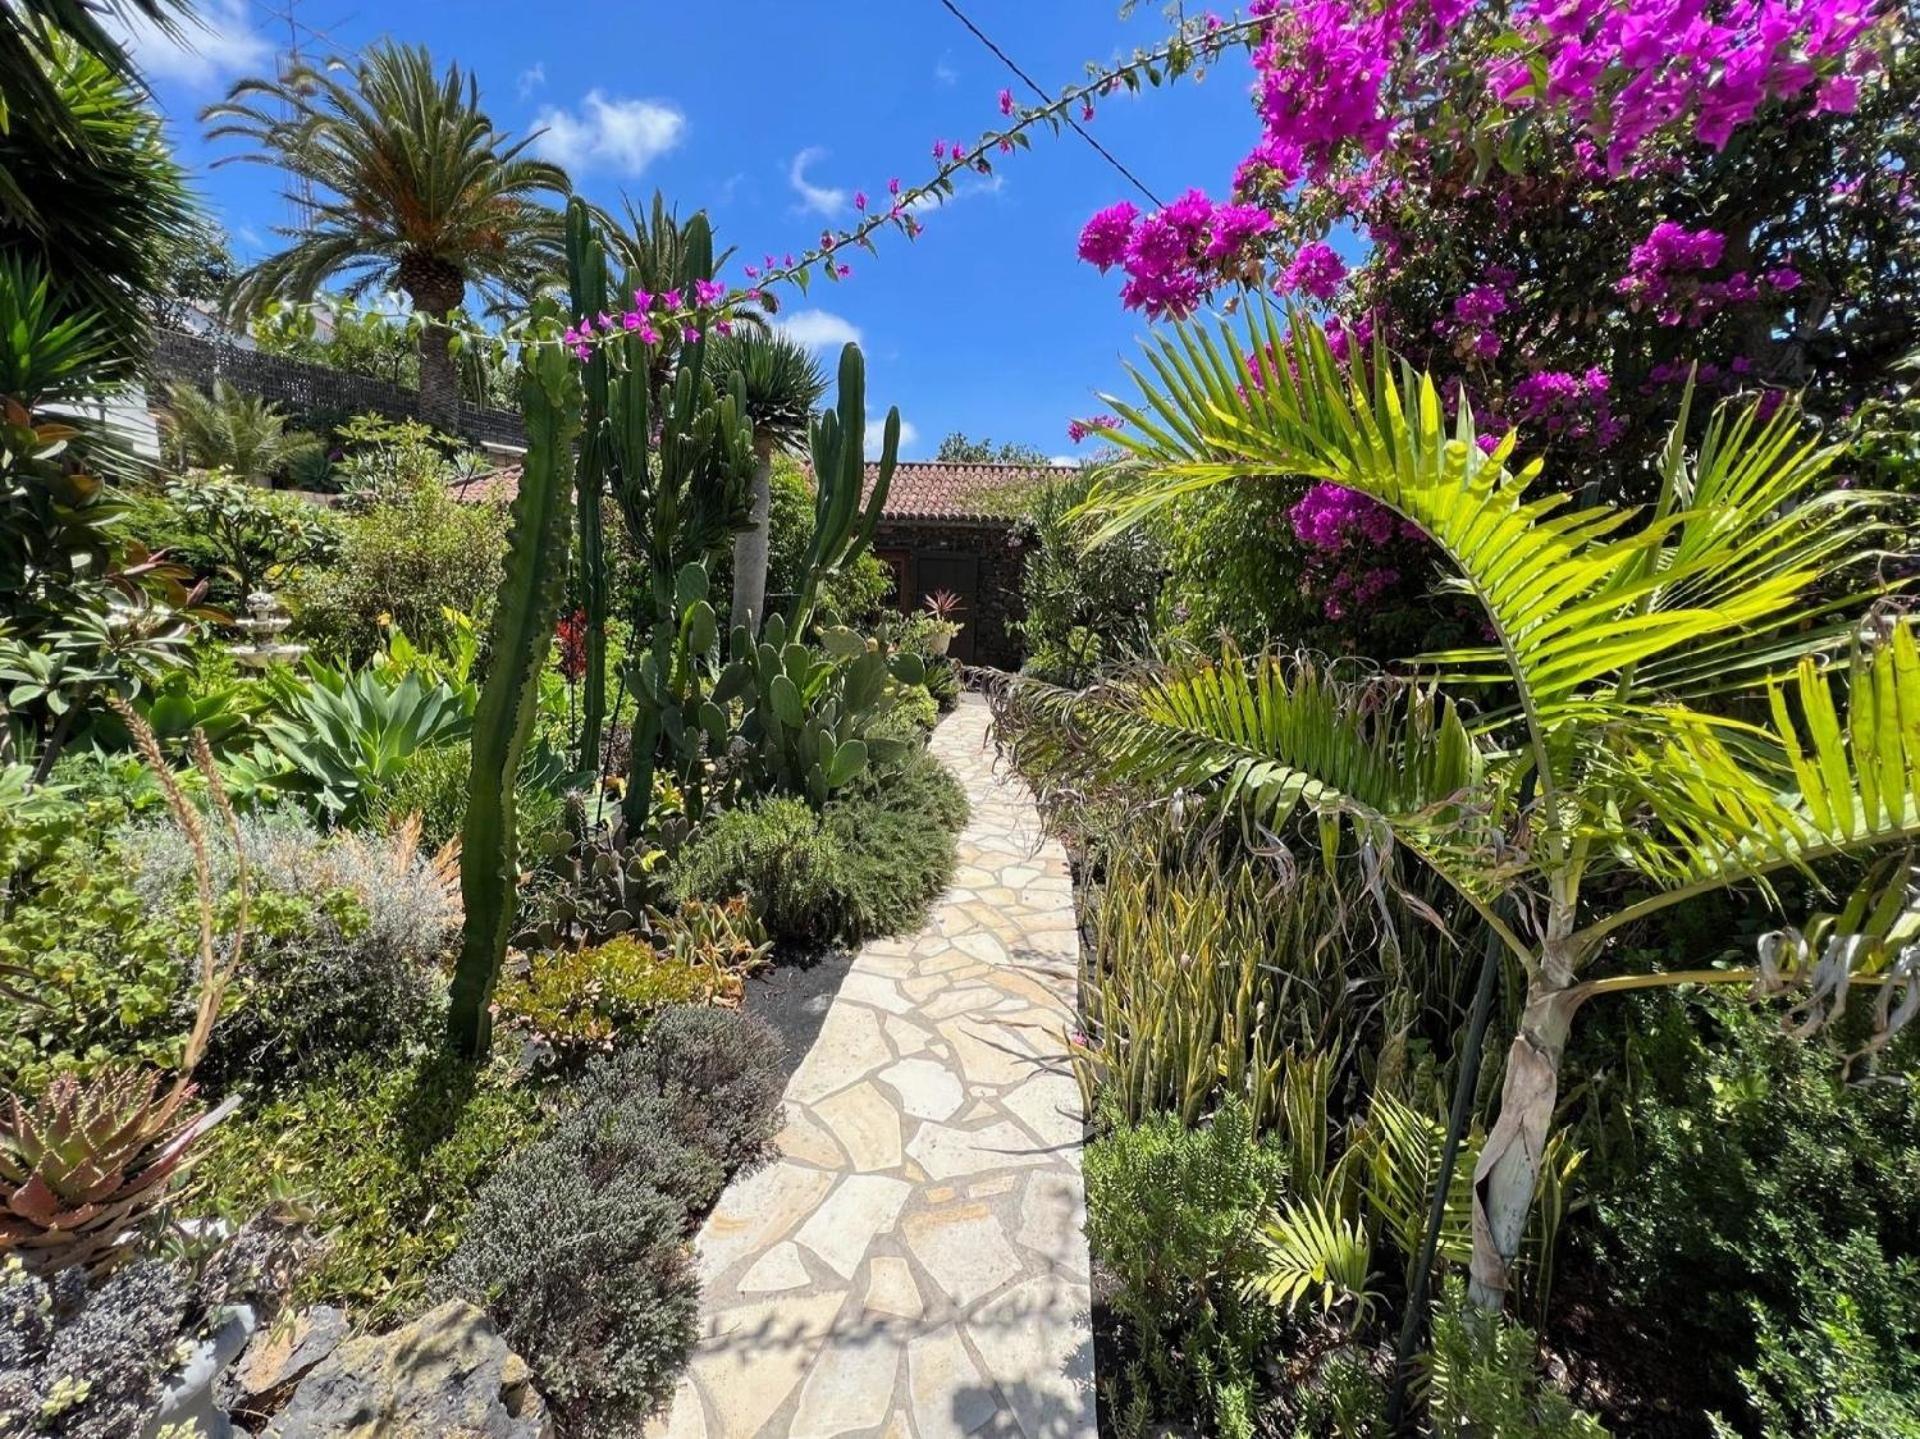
(1677, 699)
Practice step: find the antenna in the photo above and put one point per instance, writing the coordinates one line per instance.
(299, 195)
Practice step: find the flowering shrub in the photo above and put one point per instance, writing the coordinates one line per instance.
(1567, 211)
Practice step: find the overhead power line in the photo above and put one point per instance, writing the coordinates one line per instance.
(1046, 99)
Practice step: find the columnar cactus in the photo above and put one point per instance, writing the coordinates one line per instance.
(523, 622)
(587, 284)
(842, 528)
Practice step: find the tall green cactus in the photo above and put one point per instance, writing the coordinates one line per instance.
(523, 621)
(682, 464)
(587, 282)
(842, 529)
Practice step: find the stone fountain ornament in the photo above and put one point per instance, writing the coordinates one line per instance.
(262, 626)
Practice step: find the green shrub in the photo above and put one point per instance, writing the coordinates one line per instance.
(1082, 602)
(1173, 1219)
(387, 1156)
(575, 1002)
(895, 831)
(402, 562)
(590, 1280)
(91, 967)
(913, 715)
(719, 1072)
(774, 852)
(578, 1244)
(1483, 1379)
(1755, 1212)
(943, 684)
(866, 864)
(346, 935)
(434, 785)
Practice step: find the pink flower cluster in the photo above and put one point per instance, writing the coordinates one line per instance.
(1664, 275)
(1471, 327)
(1566, 405)
(1316, 270)
(1347, 533)
(1172, 257)
(1078, 430)
(1628, 70)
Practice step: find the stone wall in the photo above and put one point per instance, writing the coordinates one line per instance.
(313, 394)
(932, 554)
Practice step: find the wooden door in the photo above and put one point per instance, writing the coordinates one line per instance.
(959, 574)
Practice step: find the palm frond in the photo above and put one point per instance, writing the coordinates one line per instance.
(1311, 1251)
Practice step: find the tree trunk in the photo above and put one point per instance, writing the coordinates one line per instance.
(436, 290)
(750, 545)
(1508, 1174)
(439, 379)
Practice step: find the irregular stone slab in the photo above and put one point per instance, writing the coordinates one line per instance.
(951, 1398)
(866, 1124)
(948, 1153)
(891, 1288)
(1037, 1342)
(754, 1356)
(447, 1375)
(908, 1039)
(961, 1000)
(684, 1418)
(963, 1248)
(865, 987)
(862, 1208)
(281, 1355)
(926, 1090)
(849, 1048)
(1049, 1105)
(987, 1051)
(1053, 1220)
(850, 1389)
(757, 1213)
(800, 1138)
(779, 1268)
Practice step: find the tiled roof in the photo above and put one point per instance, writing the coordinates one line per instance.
(936, 491)
(921, 490)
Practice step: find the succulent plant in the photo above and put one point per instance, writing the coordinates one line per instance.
(85, 1163)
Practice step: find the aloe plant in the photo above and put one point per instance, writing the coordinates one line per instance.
(522, 634)
(587, 284)
(842, 526)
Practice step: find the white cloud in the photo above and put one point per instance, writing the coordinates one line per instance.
(945, 74)
(532, 78)
(625, 136)
(876, 435)
(822, 200)
(818, 329)
(1064, 462)
(218, 42)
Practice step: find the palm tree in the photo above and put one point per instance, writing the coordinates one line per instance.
(782, 383)
(226, 430)
(1674, 700)
(415, 191)
(89, 189)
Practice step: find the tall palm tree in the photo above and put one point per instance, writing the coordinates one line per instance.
(415, 191)
(782, 383)
(1676, 700)
(226, 430)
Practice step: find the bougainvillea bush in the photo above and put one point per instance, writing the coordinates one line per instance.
(1568, 210)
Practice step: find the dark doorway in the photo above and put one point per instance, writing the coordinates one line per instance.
(960, 575)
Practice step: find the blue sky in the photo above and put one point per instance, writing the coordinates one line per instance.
(989, 324)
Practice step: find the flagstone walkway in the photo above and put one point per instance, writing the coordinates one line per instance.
(914, 1263)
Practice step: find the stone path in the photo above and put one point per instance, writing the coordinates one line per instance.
(915, 1262)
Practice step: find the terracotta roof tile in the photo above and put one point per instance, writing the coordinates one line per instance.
(921, 490)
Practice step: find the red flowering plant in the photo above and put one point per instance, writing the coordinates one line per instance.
(1567, 208)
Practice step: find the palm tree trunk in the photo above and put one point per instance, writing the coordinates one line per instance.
(1508, 1174)
(439, 378)
(750, 545)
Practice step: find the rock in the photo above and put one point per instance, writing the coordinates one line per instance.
(447, 1375)
(189, 1395)
(281, 1356)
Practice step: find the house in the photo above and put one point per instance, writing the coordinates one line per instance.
(946, 527)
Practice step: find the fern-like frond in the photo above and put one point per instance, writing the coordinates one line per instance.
(1311, 1251)
(1403, 1150)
